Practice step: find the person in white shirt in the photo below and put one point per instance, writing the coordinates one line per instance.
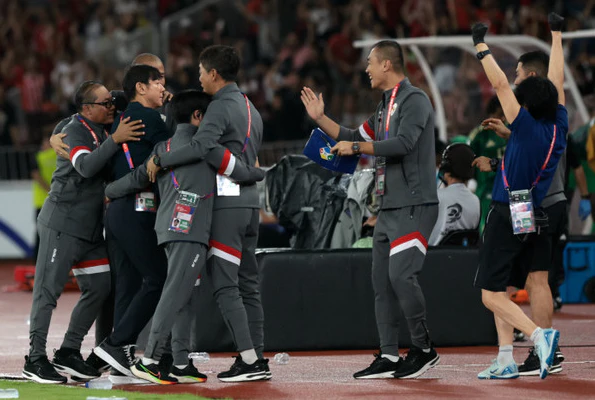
(459, 208)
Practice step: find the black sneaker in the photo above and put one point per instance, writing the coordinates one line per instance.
(118, 357)
(381, 367)
(558, 303)
(188, 374)
(70, 361)
(530, 367)
(155, 373)
(416, 362)
(118, 378)
(41, 371)
(97, 363)
(242, 372)
(265, 364)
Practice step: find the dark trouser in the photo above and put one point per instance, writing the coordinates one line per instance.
(58, 254)
(186, 262)
(140, 265)
(182, 331)
(233, 270)
(398, 253)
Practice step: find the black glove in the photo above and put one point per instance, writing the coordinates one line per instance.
(555, 22)
(478, 31)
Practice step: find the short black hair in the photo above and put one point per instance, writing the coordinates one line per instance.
(186, 102)
(536, 61)
(539, 96)
(391, 51)
(224, 59)
(138, 73)
(457, 159)
(85, 94)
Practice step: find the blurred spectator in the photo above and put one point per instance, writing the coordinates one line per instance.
(8, 121)
(43, 168)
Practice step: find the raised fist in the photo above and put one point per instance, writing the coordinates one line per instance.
(555, 21)
(478, 31)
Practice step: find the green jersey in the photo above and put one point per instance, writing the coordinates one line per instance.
(485, 142)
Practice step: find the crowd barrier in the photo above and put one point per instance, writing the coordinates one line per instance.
(316, 300)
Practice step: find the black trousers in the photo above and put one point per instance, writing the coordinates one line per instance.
(140, 268)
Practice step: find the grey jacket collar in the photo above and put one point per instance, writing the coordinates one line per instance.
(404, 84)
(186, 131)
(229, 88)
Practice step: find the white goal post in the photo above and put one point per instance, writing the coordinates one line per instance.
(511, 43)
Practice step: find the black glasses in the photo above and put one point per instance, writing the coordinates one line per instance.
(107, 104)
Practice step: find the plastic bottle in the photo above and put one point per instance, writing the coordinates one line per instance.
(9, 394)
(200, 357)
(281, 358)
(106, 398)
(101, 383)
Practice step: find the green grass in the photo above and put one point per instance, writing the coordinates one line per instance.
(35, 391)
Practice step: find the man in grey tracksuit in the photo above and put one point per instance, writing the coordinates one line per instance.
(186, 251)
(71, 237)
(232, 121)
(400, 135)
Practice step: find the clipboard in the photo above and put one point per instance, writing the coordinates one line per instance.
(318, 149)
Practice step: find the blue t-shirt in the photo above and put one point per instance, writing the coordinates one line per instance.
(526, 151)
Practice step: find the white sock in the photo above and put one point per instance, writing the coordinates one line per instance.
(181, 366)
(249, 356)
(537, 335)
(148, 361)
(391, 357)
(505, 355)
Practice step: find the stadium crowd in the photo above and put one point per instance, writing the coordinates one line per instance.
(47, 47)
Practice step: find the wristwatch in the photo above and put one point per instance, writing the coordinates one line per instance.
(494, 164)
(157, 160)
(355, 147)
(482, 54)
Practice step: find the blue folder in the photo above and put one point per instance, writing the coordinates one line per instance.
(318, 149)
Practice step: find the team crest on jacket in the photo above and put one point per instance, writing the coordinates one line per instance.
(325, 153)
(393, 109)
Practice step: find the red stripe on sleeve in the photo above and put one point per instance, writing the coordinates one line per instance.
(369, 130)
(225, 162)
(76, 149)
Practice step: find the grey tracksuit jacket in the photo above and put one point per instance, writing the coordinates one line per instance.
(229, 130)
(197, 178)
(75, 202)
(409, 150)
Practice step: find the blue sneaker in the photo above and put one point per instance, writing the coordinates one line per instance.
(545, 348)
(497, 371)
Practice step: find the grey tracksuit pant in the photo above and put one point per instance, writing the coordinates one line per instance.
(58, 254)
(185, 262)
(399, 250)
(233, 270)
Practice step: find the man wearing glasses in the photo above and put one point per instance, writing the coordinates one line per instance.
(71, 236)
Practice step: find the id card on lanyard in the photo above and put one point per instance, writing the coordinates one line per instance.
(185, 207)
(522, 210)
(380, 162)
(143, 201)
(225, 186)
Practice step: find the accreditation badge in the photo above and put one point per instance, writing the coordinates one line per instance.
(227, 187)
(145, 202)
(184, 209)
(522, 212)
(380, 175)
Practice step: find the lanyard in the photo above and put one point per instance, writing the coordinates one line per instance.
(390, 106)
(174, 181)
(547, 159)
(249, 123)
(126, 149)
(86, 125)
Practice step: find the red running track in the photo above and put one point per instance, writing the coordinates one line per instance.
(327, 375)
